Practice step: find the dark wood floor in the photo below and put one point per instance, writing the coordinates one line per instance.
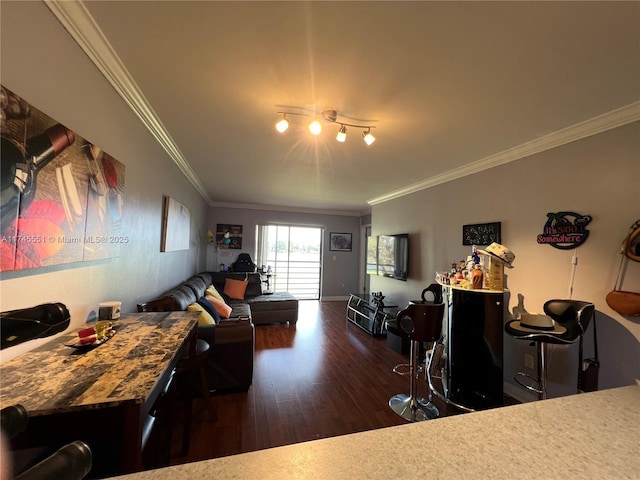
(320, 378)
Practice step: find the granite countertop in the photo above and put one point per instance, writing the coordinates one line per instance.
(587, 436)
(56, 378)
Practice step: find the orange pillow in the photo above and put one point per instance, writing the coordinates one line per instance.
(222, 308)
(235, 288)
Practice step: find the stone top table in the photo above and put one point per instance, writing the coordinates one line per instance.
(588, 436)
(113, 385)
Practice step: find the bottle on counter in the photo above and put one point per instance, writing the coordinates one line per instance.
(475, 255)
(477, 277)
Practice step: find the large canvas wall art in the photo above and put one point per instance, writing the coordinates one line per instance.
(176, 226)
(62, 196)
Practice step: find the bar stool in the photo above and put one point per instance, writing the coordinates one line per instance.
(420, 322)
(431, 294)
(570, 321)
(435, 291)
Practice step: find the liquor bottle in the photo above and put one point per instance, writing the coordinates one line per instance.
(477, 277)
(475, 255)
(20, 167)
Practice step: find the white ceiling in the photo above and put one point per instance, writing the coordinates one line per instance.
(452, 87)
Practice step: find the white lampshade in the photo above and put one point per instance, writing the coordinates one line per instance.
(342, 134)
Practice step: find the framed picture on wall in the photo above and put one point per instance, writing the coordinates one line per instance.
(340, 242)
(229, 236)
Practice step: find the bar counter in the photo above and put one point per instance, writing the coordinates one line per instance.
(55, 378)
(587, 436)
(102, 395)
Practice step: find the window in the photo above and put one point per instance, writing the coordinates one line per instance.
(294, 255)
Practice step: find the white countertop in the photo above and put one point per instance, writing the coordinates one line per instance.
(587, 436)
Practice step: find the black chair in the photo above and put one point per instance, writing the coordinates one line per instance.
(572, 318)
(243, 264)
(72, 462)
(420, 322)
(26, 324)
(431, 294)
(435, 291)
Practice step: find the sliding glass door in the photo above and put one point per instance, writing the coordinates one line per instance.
(294, 255)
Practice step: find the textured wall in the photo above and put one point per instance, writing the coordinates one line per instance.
(597, 176)
(41, 63)
(340, 270)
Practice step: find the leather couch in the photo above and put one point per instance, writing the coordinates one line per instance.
(229, 364)
(279, 307)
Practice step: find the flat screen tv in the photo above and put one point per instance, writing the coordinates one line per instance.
(393, 256)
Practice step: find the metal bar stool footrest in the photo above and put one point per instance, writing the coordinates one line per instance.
(535, 387)
(400, 369)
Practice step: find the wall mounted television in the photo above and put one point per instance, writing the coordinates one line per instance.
(392, 256)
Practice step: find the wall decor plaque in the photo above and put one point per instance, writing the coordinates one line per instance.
(565, 230)
(481, 233)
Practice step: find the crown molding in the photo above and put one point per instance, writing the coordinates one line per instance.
(280, 208)
(607, 121)
(77, 20)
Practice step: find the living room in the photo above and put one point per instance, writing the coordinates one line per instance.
(589, 165)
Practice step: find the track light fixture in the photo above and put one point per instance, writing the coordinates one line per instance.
(315, 127)
(368, 138)
(283, 124)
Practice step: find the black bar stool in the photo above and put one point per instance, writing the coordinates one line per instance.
(570, 319)
(420, 323)
(434, 292)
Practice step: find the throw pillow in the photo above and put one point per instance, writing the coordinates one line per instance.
(235, 288)
(211, 290)
(223, 309)
(205, 318)
(210, 309)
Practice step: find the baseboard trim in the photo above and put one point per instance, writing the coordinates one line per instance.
(334, 299)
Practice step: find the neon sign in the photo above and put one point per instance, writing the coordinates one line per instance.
(565, 230)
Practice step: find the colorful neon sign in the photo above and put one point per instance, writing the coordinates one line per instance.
(565, 230)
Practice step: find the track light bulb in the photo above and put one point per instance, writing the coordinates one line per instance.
(368, 138)
(342, 134)
(282, 125)
(315, 127)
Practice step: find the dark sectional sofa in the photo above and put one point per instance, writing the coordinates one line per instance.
(230, 359)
